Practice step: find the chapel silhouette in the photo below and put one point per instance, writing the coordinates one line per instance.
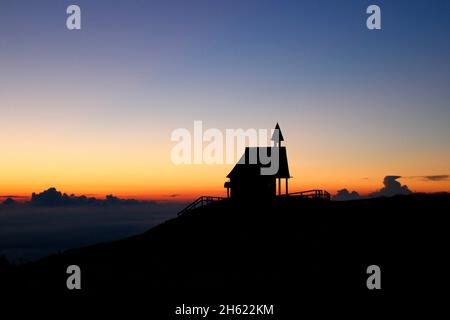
(253, 180)
(248, 180)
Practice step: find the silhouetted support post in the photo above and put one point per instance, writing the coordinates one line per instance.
(228, 186)
(279, 186)
(287, 193)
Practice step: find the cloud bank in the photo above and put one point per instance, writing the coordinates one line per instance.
(391, 188)
(345, 195)
(54, 198)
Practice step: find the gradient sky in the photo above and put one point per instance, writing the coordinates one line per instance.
(92, 111)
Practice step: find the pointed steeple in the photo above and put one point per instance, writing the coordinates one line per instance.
(277, 136)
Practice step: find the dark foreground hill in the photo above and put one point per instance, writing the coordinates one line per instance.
(291, 254)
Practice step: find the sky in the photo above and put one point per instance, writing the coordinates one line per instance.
(91, 111)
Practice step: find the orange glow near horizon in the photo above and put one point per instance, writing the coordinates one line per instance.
(170, 194)
(161, 180)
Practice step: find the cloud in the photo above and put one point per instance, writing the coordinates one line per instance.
(174, 195)
(345, 195)
(438, 177)
(441, 177)
(391, 188)
(9, 201)
(53, 198)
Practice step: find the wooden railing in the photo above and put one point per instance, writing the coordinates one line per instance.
(206, 200)
(312, 194)
(200, 202)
